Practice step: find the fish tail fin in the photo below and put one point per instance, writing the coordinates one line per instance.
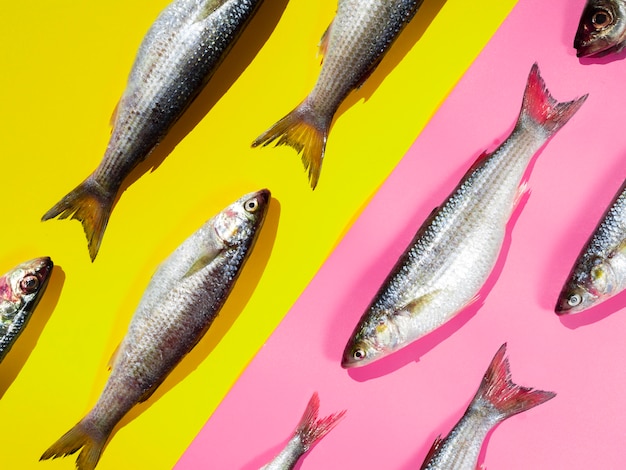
(540, 109)
(89, 204)
(78, 438)
(303, 130)
(311, 429)
(506, 397)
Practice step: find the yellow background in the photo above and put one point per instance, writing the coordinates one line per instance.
(65, 65)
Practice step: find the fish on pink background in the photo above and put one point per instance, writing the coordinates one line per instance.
(309, 431)
(497, 399)
(602, 28)
(599, 271)
(354, 44)
(454, 251)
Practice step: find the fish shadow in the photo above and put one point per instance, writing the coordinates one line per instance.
(411, 34)
(243, 52)
(27, 341)
(420, 455)
(235, 303)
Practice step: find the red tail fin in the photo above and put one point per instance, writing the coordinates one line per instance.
(89, 204)
(542, 109)
(305, 132)
(310, 429)
(507, 398)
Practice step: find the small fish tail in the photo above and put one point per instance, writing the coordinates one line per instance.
(89, 204)
(303, 130)
(78, 438)
(539, 108)
(310, 429)
(507, 398)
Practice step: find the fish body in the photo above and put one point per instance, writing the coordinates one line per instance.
(454, 251)
(354, 44)
(176, 58)
(602, 28)
(309, 431)
(181, 301)
(497, 399)
(599, 272)
(21, 289)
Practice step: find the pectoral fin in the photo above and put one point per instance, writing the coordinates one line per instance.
(416, 305)
(202, 262)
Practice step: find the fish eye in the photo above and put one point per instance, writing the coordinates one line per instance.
(359, 354)
(601, 19)
(251, 205)
(29, 284)
(574, 300)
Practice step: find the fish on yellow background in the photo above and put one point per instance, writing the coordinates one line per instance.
(21, 289)
(181, 301)
(354, 44)
(177, 57)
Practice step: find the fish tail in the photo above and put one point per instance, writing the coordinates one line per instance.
(89, 204)
(310, 429)
(506, 397)
(303, 130)
(78, 438)
(540, 109)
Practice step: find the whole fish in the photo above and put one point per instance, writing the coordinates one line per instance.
(21, 289)
(602, 28)
(456, 248)
(599, 273)
(309, 431)
(181, 301)
(354, 44)
(177, 57)
(497, 399)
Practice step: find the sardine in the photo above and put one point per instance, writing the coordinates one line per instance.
(456, 248)
(602, 28)
(21, 289)
(309, 431)
(497, 399)
(599, 272)
(181, 301)
(354, 44)
(177, 57)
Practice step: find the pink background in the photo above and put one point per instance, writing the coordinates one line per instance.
(396, 407)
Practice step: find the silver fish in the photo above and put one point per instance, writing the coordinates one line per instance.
(309, 431)
(497, 399)
(354, 44)
(602, 28)
(599, 273)
(21, 289)
(177, 57)
(456, 248)
(181, 301)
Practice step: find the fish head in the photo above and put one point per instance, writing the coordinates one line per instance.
(235, 223)
(590, 284)
(22, 287)
(602, 28)
(372, 339)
